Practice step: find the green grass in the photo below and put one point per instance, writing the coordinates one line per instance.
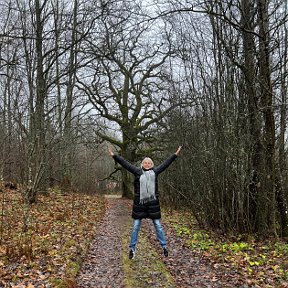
(260, 262)
(147, 268)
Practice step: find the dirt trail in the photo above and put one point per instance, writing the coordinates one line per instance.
(107, 264)
(103, 266)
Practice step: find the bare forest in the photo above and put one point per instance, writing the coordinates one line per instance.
(144, 77)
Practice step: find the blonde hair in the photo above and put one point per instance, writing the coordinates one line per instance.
(149, 159)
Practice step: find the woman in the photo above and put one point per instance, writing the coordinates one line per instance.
(146, 197)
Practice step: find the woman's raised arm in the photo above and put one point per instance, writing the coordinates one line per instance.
(124, 163)
(178, 150)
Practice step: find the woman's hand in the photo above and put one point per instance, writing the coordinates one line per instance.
(178, 150)
(110, 151)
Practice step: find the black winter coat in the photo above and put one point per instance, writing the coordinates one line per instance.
(150, 209)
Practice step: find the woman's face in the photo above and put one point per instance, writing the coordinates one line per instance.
(147, 163)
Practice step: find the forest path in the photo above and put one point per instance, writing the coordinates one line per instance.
(107, 264)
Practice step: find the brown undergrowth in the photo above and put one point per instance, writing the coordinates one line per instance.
(43, 245)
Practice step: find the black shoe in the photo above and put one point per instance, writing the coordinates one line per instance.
(165, 252)
(131, 254)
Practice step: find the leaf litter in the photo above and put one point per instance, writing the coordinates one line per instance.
(76, 240)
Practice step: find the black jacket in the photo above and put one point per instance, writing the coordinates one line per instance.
(150, 209)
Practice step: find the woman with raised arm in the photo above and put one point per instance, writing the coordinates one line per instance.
(146, 196)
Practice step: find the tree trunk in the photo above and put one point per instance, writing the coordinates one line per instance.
(38, 149)
(268, 200)
(256, 154)
(129, 152)
(68, 135)
(282, 167)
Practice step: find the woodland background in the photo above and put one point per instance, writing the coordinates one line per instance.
(145, 77)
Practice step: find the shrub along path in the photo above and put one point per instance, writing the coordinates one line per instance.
(107, 263)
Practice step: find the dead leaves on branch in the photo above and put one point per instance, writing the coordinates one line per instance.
(43, 245)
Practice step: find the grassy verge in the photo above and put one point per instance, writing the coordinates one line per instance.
(147, 268)
(262, 263)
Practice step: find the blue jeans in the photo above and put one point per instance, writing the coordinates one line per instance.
(159, 232)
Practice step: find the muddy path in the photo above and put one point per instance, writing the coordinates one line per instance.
(107, 263)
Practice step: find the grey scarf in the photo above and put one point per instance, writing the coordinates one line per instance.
(147, 186)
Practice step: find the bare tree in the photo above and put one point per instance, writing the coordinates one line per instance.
(241, 95)
(126, 80)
